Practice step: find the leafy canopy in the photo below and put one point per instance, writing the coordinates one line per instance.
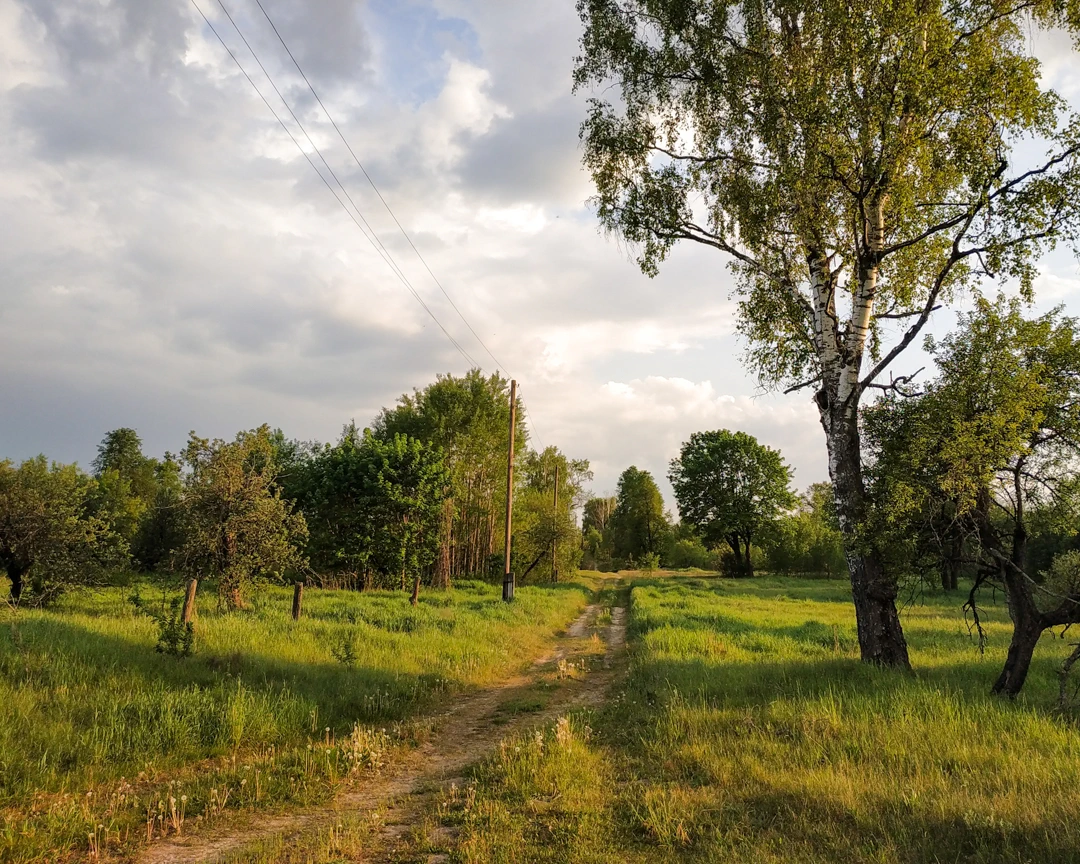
(854, 160)
(730, 487)
(237, 527)
(50, 537)
(638, 524)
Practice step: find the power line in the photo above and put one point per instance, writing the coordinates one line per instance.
(365, 227)
(385, 203)
(528, 416)
(373, 238)
(386, 254)
(371, 182)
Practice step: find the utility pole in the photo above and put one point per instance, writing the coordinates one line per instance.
(555, 535)
(508, 577)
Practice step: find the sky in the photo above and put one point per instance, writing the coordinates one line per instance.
(170, 261)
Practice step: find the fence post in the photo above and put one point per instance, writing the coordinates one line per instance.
(189, 602)
(297, 600)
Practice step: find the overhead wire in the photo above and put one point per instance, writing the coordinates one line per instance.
(370, 234)
(361, 222)
(387, 207)
(375, 188)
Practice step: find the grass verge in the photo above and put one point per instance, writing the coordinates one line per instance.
(105, 744)
(747, 731)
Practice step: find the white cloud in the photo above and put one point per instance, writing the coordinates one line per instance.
(170, 261)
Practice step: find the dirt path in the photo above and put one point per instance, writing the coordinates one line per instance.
(575, 673)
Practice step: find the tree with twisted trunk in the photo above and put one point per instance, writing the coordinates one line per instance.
(993, 440)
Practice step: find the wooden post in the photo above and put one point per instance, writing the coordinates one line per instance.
(189, 602)
(297, 600)
(508, 577)
(555, 536)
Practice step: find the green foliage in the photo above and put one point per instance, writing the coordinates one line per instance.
(175, 637)
(237, 527)
(468, 419)
(746, 730)
(962, 468)
(540, 527)
(161, 529)
(688, 552)
(344, 649)
(376, 505)
(988, 446)
(127, 482)
(650, 561)
(597, 544)
(87, 703)
(410, 483)
(834, 152)
(638, 524)
(808, 540)
(855, 164)
(731, 489)
(50, 537)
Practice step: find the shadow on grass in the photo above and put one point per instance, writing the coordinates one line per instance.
(86, 655)
(832, 760)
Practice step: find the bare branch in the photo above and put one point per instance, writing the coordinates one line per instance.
(803, 385)
(899, 383)
(896, 316)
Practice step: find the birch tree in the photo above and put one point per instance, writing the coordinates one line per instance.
(854, 164)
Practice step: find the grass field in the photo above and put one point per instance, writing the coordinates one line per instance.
(747, 731)
(105, 743)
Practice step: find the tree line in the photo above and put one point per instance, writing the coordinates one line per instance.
(417, 498)
(737, 513)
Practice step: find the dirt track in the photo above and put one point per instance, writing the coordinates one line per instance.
(464, 735)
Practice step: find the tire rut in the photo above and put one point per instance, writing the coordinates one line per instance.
(464, 735)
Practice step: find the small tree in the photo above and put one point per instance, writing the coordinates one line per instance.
(731, 489)
(408, 483)
(336, 490)
(50, 539)
(238, 529)
(992, 440)
(544, 526)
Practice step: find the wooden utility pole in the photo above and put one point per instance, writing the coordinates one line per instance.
(297, 600)
(508, 577)
(555, 523)
(189, 602)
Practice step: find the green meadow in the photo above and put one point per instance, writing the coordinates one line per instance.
(747, 730)
(105, 744)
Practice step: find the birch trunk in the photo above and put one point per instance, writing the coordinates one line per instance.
(873, 591)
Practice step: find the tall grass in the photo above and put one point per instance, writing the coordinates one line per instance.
(104, 742)
(748, 731)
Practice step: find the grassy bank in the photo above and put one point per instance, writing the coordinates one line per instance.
(749, 732)
(104, 743)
